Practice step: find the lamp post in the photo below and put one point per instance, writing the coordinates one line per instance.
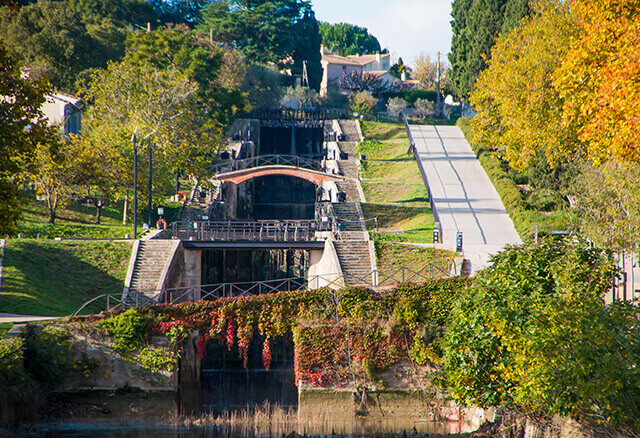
(135, 184)
(149, 181)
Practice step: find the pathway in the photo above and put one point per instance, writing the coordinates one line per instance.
(464, 198)
(10, 317)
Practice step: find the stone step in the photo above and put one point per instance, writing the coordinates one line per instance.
(153, 255)
(355, 262)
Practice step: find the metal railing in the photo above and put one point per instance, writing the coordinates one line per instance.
(412, 150)
(253, 231)
(403, 274)
(266, 160)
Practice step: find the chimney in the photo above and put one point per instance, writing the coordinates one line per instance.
(403, 76)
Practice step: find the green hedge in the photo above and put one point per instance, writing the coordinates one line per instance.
(410, 96)
(524, 217)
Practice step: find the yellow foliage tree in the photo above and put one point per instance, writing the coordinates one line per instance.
(519, 112)
(599, 81)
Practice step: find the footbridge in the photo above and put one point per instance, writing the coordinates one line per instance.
(266, 160)
(252, 234)
(314, 176)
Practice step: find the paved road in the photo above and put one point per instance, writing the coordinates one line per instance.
(463, 196)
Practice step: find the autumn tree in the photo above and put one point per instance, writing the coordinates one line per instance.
(599, 80)
(519, 111)
(127, 95)
(426, 71)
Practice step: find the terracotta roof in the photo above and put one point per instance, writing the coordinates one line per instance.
(336, 59)
(377, 74)
(365, 59)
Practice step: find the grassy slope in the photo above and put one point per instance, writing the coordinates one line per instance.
(53, 278)
(393, 186)
(78, 221)
(396, 195)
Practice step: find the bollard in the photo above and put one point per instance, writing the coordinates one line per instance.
(459, 241)
(436, 235)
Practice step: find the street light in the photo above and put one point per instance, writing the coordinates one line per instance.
(135, 178)
(150, 173)
(135, 184)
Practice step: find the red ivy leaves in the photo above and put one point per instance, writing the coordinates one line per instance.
(266, 354)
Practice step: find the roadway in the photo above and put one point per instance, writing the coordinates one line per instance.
(463, 197)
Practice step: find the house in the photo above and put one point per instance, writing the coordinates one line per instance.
(335, 66)
(65, 111)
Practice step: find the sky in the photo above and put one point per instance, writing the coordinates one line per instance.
(406, 27)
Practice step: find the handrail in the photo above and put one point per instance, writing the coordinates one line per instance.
(423, 173)
(240, 230)
(265, 160)
(402, 274)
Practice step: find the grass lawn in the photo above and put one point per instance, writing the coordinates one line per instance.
(52, 278)
(427, 262)
(77, 220)
(393, 186)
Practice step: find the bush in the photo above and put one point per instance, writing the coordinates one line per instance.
(396, 105)
(12, 371)
(424, 108)
(128, 331)
(362, 102)
(533, 332)
(410, 96)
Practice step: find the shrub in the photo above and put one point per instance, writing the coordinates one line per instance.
(12, 371)
(128, 331)
(362, 103)
(423, 108)
(396, 105)
(533, 332)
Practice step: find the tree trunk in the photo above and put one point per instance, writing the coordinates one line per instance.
(126, 207)
(98, 205)
(52, 208)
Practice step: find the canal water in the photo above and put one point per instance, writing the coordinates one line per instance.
(369, 429)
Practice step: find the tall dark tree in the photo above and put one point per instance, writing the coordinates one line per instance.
(308, 49)
(347, 39)
(195, 56)
(51, 40)
(62, 40)
(476, 24)
(262, 30)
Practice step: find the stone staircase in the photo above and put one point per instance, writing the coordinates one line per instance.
(355, 261)
(349, 216)
(350, 130)
(351, 190)
(194, 209)
(153, 255)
